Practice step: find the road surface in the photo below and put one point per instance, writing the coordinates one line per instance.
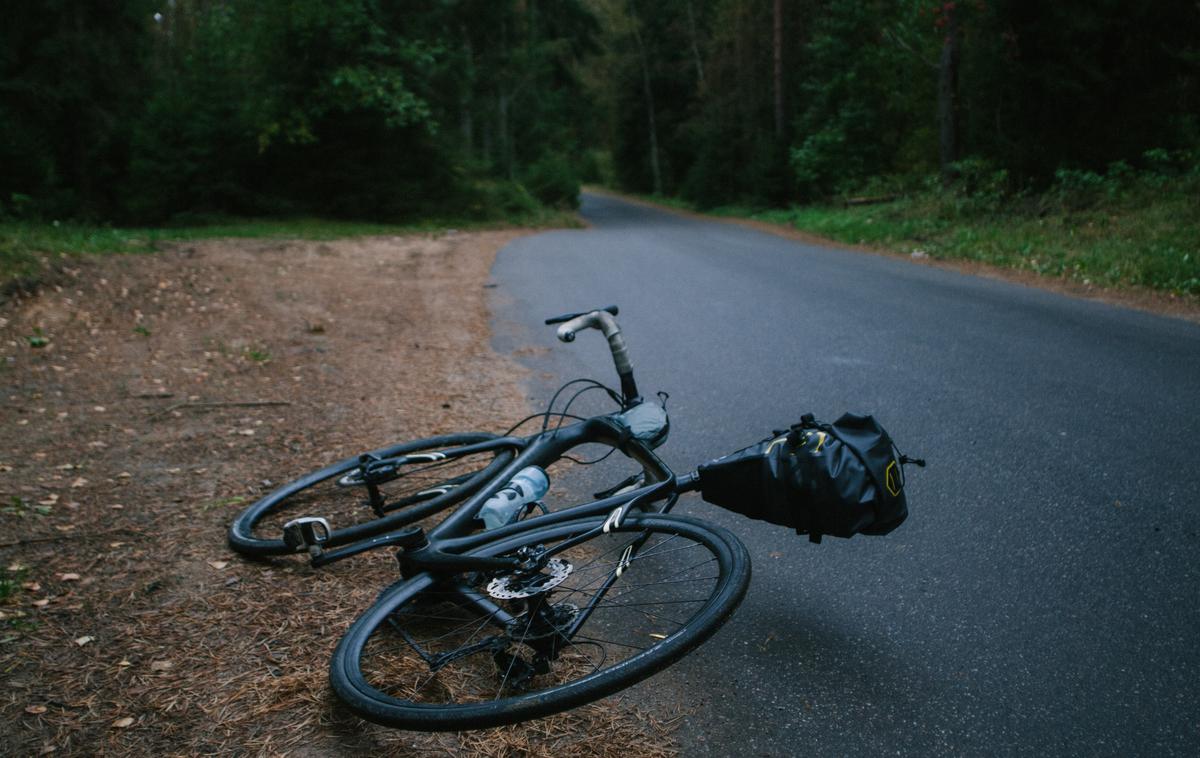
(1044, 595)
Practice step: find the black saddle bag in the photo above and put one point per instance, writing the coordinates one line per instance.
(842, 479)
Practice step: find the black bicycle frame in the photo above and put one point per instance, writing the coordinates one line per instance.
(442, 548)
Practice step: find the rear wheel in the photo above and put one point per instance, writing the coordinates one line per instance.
(599, 612)
(372, 493)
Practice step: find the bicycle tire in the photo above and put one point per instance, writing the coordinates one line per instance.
(384, 667)
(257, 530)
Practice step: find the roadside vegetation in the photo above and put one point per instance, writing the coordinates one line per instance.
(1061, 138)
(154, 121)
(32, 250)
(1120, 228)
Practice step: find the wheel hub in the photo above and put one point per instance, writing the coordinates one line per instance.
(550, 621)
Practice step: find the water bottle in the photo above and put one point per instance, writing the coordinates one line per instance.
(527, 486)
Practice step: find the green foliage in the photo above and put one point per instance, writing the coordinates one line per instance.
(21, 508)
(345, 108)
(360, 109)
(70, 74)
(282, 107)
(980, 188)
(597, 167)
(553, 181)
(37, 339)
(258, 354)
(854, 121)
(1145, 234)
(1075, 189)
(488, 197)
(826, 160)
(1047, 85)
(11, 576)
(1040, 87)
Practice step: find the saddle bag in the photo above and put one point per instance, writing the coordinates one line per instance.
(842, 479)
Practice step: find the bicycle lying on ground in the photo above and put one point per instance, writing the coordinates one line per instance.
(504, 613)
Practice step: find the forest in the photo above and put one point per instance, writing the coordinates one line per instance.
(156, 112)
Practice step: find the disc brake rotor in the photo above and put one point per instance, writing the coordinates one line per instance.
(512, 586)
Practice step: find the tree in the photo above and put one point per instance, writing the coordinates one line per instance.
(948, 155)
(648, 91)
(72, 74)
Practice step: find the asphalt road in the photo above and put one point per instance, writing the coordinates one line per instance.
(1044, 595)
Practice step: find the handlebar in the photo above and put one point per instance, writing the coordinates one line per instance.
(604, 320)
(568, 316)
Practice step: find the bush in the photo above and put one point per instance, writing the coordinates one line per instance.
(553, 180)
(820, 159)
(980, 186)
(486, 200)
(598, 168)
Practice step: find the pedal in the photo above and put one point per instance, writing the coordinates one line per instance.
(305, 533)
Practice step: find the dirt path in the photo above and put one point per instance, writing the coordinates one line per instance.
(127, 625)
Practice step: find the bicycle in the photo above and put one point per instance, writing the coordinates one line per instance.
(498, 626)
(495, 626)
(407, 482)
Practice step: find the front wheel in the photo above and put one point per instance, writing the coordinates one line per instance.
(595, 613)
(372, 493)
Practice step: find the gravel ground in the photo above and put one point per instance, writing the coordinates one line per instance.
(146, 399)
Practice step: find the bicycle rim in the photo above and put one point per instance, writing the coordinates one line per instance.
(615, 609)
(338, 494)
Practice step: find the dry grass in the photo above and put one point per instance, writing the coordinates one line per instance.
(128, 626)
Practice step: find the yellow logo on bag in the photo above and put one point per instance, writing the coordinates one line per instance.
(775, 442)
(821, 437)
(892, 479)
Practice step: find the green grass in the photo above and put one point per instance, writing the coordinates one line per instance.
(10, 581)
(1146, 241)
(258, 354)
(15, 622)
(224, 502)
(26, 247)
(20, 508)
(1120, 232)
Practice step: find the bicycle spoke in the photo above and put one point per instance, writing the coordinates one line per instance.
(629, 588)
(467, 624)
(612, 642)
(626, 593)
(606, 566)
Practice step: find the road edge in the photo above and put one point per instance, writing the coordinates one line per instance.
(1135, 298)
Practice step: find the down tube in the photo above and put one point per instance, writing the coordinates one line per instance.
(453, 534)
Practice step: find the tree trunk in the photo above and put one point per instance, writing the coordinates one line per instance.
(503, 128)
(655, 171)
(695, 45)
(778, 78)
(466, 122)
(78, 119)
(505, 136)
(948, 97)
